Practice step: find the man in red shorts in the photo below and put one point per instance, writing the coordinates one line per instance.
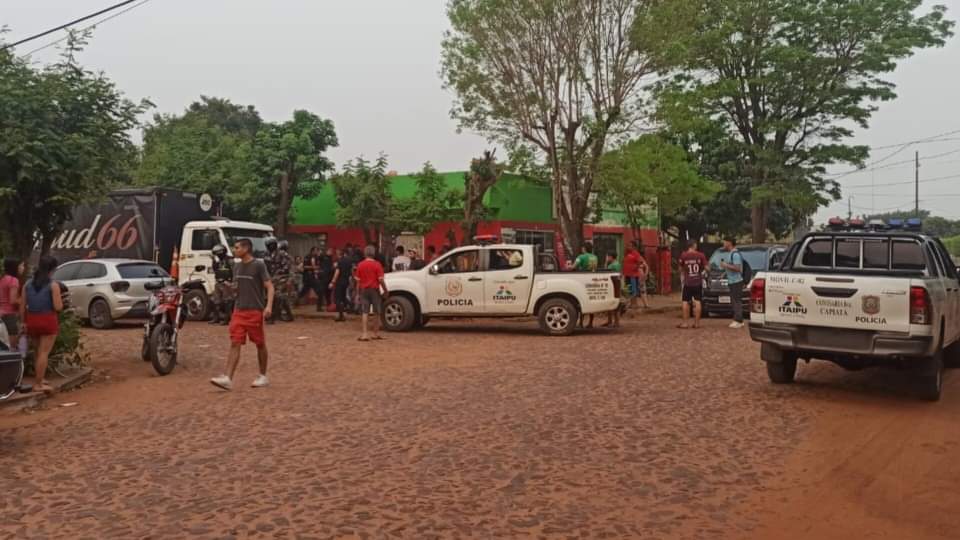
(253, 300)
(693, 264)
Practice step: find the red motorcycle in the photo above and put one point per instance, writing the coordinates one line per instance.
(168, 312)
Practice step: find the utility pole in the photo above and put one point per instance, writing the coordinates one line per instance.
(849, 208)
(916, 184)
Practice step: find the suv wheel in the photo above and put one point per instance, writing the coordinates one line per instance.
(783, 372)
(99, 315)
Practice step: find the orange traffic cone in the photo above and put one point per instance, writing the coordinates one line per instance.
(175, 265)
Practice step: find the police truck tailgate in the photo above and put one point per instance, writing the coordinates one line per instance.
(854, 302)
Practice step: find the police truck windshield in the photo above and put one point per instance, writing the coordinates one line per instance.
(258, 238)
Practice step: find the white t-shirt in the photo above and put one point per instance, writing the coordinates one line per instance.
(401, 263)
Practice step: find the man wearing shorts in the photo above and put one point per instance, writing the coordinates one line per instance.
(254, 298)
(371, 290)
(692, 266)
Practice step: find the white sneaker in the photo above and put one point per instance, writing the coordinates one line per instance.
(222, 382)
(736, 325)
(261, 381)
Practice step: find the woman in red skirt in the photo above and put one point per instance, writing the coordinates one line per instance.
(39, 310)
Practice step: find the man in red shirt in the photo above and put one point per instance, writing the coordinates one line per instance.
(693, 264)
(372, 289)
(635, 270)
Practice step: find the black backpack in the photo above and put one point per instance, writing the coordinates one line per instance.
(745, 269)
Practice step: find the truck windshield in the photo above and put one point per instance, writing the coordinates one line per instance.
(257, 238)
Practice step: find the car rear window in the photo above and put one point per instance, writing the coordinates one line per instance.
(818, 253)
(141, 271)
(908, 255)
(848, 253)
(879, 253)
(876, 254)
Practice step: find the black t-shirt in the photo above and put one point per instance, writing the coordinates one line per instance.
(251, 279)
(345, 266)
(325, 264)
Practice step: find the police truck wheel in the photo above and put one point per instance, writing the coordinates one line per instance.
(558, 317)
(99, 314)
(399, 315)
(198, 305)
(931, 380)
(783, 372)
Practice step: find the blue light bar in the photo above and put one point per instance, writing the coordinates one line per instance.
(915, 224)
(895, 223)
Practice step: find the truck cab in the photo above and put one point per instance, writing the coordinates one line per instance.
(196, 256)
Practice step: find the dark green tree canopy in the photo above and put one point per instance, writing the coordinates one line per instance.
(787, 78)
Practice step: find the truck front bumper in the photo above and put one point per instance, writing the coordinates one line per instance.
(818, 342)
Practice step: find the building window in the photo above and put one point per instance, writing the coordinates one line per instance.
(544, 239)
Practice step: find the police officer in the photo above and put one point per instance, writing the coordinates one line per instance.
(280, 266)
(287, 290)
(223, 291)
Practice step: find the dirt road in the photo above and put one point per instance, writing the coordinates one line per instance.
(482, 430)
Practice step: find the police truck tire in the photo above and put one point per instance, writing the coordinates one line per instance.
(951, 357)
(558, 317)
(399, 315)
(931, 380)
(198, 305)
(783, 372)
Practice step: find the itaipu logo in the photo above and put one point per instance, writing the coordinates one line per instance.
(504, 295)
(792, 306)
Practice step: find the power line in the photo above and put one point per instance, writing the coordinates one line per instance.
(69, 24)
(89, 26)
(893, 165)
(910, 183)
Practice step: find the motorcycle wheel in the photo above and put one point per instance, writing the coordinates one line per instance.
(162, 358)
(145, 349)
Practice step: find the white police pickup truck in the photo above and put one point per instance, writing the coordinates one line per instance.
(503, 280)
(861, 295)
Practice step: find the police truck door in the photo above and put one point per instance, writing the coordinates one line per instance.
(507, 281)
(455, 284)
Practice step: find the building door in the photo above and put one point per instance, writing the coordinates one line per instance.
(604, 243)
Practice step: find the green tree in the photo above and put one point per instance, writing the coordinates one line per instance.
(558, 77)
(650, 171)
(364, 200)
(787, 78)
(288, 161)
(64, 142)
(483, 174)
(434, 202)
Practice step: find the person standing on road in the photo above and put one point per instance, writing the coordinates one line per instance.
(586, 261)
(39, 311)
(732, 264)
(340, 284)
(372, 290)
(693, 264)
(613, 265)
(635, 270)
(223, 290)
(10, 298)
(254, 304)
(401, 263)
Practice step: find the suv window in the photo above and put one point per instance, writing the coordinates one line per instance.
(141, 271)
(465, 261)
(818, 252)
(67, 272)
(907, 255)
(90, 270)
(204, 239)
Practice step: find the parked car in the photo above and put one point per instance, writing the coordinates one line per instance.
(716, 295)
(104, 290)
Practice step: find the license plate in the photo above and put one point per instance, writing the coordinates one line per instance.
(724, 300)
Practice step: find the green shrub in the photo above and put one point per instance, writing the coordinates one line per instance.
(953, 245)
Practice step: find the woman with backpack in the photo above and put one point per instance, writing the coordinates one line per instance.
(39, 308)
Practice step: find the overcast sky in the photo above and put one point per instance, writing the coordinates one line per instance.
(372, 67)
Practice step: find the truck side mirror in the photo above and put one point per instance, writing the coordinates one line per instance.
(434, 270)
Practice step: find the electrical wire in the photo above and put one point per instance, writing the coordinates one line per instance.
(69, 24)
(89, 26)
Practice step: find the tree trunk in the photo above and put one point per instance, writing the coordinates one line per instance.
(283, 205)
(758, 220)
